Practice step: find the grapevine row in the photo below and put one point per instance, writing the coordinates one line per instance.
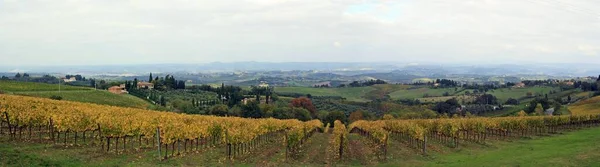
(126, 125)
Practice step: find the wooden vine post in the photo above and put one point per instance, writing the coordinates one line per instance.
(341, 145)
(158, 141)
(424, 144)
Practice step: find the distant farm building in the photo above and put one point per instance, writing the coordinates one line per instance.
(72, 79)
(569, 83)
(519, 85)
(263, 84)
(118, 89)
(145, 85)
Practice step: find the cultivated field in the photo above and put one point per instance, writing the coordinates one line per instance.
(461, 99)
(93, 96)
(516, 93)
(72, 93)
(16, 86)
(352, 94)
(414, 93)
(589, 106)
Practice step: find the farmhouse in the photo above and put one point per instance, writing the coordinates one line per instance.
(263, 84)
(519, 85)
(117, 89)
(145, 85)
(72, 79)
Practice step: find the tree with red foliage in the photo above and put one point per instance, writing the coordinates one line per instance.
(305, 103)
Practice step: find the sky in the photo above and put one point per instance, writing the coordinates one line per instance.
(104, 32)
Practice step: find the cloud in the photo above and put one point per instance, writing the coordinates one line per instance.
(183, 31)
(588, 50)
(337, 44)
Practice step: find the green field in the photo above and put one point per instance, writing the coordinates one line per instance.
(420, 92)
(352, 94)
(382, 90)
(93, 96)
(578, 148)
(15, 86)
(463, 99)
(505, 93)
(72, 93)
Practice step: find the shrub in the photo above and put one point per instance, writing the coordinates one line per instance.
(55, 97)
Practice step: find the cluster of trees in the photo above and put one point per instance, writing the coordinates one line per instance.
(230, 95)
(539, 105)
(24, 75)
(477, 109)
(446, 83)
(586, 86)
(480, 105)
(364, 83)
(167, 82)
(299, 108)
(511, 101)
(258, 91)
(486, 99)
(447, 107)
(77, 77)
(538, 82)
(480, 88)
(321, 86)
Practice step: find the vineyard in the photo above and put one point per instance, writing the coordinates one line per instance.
(164, 135)
(120, 130)
(450, 132)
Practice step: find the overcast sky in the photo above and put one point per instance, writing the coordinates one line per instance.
(98, 32)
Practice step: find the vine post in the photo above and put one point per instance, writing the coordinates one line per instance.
(158, 142)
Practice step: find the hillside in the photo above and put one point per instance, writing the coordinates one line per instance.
(589, 106)
(352, 94)
(16, 86)
(72, 93)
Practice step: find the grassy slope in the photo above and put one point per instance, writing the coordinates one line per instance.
(418, 93)
(72, 93)
(14, 86)
(92, 96)
(589, 106)
(384, 89)
(577, 148)
(352, 94)
(505, 93)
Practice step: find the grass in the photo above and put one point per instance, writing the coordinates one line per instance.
(588, 106)
(463, 99)
(578, 148)
(94, 96)
(72, 93)
(382, 90)
(420, 92)
(16, 86)
(516, 93)
(351, 94)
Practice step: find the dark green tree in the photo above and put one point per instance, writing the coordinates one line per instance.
(335, 115)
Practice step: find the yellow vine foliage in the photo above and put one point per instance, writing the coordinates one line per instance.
(339, 139)
(119, 121)
(418, 128)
